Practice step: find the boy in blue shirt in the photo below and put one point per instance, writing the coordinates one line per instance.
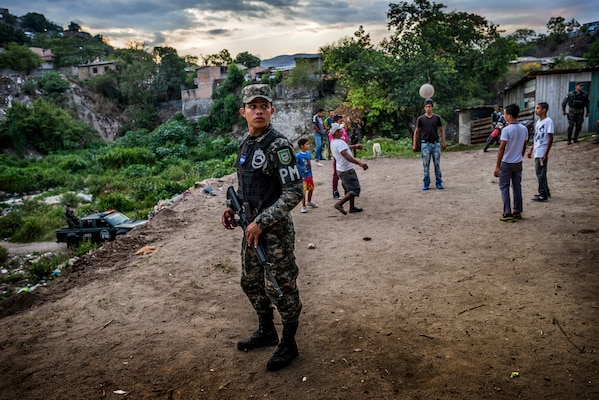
(303, 162)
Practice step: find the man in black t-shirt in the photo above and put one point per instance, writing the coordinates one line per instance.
(428, 127)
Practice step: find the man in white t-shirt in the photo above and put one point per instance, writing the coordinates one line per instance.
(345, 169)
(509, 163)
(541, 145)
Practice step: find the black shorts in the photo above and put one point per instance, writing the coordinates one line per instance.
(350, 182)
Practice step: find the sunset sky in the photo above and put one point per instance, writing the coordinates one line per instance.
(270, 28)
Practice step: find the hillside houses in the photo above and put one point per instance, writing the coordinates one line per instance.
(210, 77)
(96, 67)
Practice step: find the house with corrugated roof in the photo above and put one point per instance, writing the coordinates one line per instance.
(97, 67)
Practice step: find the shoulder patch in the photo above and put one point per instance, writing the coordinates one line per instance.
(284, 156)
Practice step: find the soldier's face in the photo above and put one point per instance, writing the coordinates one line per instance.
(257, 113)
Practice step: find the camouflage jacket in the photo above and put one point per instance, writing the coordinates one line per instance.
(267, 172)
(577, 102)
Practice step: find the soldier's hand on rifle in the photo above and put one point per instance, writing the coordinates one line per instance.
(252, 233)
(228, 218)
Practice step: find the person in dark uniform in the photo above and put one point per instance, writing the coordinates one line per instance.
(72, 220)
(269, 186)
(577, 102)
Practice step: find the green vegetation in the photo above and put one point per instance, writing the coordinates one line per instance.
(130, 175)
(375, 86)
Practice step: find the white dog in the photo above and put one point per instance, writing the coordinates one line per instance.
(376, 150)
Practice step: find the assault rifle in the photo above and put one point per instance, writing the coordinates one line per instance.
(243, 222)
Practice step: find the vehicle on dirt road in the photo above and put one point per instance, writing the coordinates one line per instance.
(98, 228)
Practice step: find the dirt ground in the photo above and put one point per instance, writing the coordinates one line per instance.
(443, 302)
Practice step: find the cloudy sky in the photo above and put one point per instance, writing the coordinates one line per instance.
(270, 28)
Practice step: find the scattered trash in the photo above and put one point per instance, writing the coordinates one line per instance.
(146, 250)
(208, 191)
(119, 392)
(311, 246)
(515, 374)
(366, 238)
(304, 379)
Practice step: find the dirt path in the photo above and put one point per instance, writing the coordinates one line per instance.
(443, 302)
(34, 247)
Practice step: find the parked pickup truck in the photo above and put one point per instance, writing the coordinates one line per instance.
(99, 228)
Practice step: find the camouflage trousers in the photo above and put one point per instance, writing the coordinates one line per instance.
(278, 243)
(575, 120)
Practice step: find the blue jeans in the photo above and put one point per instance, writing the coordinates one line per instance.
(511, 173)
(431, 150)
(318, 145)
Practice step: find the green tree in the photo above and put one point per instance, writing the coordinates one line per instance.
(136, 70)
(106, 84)
(73, 50)
(556, 26)
(592, 55)
(246, 59)
(19, 58)
(53, 83)
(526, 39)
(170, 74)
(45, 127)
(560, 62)
(74, 27)
(359, 71)
(221, 58)
(38, 23)
(224, 112)
(459, 53)
(302, 76)
(10, 34)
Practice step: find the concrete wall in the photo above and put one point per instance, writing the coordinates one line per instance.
(292, 117)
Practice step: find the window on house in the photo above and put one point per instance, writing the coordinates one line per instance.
(95, 70)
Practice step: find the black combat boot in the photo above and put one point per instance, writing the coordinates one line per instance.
(287, 350)
(266, 335)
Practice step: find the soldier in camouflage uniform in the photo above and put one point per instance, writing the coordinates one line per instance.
(270, 186)
(577, 101)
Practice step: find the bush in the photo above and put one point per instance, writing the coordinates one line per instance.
(30, 230)
(119, 157)
(137, 171)
(29, 87)
(3, 254)
(33, 220)
(52, 83)
(85, 246)
(43, 268)
(45, 127)
(116, 201)
(10, 223)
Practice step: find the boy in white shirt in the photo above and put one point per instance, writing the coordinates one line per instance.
(541, 145)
